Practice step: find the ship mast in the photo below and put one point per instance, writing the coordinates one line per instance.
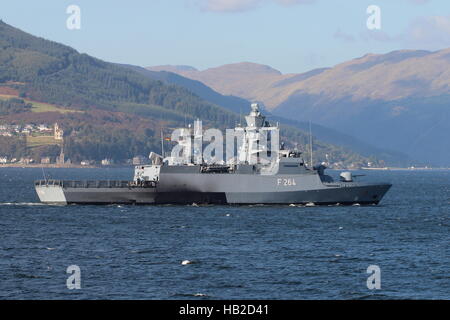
(310, 144)
(162, 143)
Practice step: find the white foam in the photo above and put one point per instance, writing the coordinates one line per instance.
(199, 295)
(22, 204)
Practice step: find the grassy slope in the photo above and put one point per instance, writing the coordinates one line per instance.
(37, 141)
(39, 106)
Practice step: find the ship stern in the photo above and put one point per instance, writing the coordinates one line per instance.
(50, 192)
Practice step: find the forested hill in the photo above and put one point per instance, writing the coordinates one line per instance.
(58, 74)
(104, 93)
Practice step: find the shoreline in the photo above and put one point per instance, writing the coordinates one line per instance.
(59, 166)
(79, 166)
(402, 169)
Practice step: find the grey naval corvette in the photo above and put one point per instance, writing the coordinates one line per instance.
(245, 179)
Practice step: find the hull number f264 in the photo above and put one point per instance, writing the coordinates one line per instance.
(286, 182)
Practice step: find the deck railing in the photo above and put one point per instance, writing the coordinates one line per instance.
(95, 183)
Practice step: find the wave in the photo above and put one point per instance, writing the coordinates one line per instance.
(22, 204)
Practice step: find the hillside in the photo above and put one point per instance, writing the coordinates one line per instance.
(229, 102)
(119, 111)
(397, 101)
(240, 79)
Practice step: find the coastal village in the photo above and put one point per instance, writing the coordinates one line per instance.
(51, 134)
(54, 134)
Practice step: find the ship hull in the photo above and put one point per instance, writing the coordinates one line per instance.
(361, 194)
(368, 194)
(94, 192)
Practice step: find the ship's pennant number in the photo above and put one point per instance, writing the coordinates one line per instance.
(286, 182)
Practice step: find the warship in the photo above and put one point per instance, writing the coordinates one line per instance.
(259, 174)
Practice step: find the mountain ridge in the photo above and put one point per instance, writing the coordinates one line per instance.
(308, 81)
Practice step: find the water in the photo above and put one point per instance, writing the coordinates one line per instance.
(250, 252)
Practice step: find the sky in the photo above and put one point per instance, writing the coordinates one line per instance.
(289, 35)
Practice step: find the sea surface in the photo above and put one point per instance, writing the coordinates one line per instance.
(237, 252)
